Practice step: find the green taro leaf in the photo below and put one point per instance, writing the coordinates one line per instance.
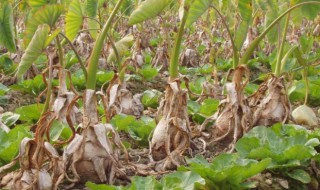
(92, 7)
(59, 130)
(286, 145)
(33, 50)
(104, 76)
(193, 107)
(245, 9)
(148, 72)
(144, 183)
(47, 14)
(9, 118)
(147, 9)
(93, 186)
(52, 36)
(309, 10)
(3, 89)
(151, 98)
(197, 8)
(122, 121)
(209, 107)
(9, 142)
(196, 85)
(300, 175)
(298, 90)
(182, 180)
(7, 37)
(122, 47)
(37, 3)
(141, 129)
(74, 19)
(227, 171)
(30, 113)
(6, 64)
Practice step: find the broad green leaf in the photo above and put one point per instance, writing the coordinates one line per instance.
(309, 10)
(92, 7)
(227, 171)
(245, 9)
(59, 130)
(300, 175)
(193, 107)
(74, 19)
(196, 86)
(298, 90)
(37, 3)
(47, 14)
(7, 37)
(32, 86)
(147, 9)
(93, 27)
(141, 129)
(93, 186)
(206, 69)
(209, 107)
(52, 36)
(286, 145)
(122, 46)
(3, 89)
(9, 142)
(182, 180)
(127, 7)
(122, 121)
(151, 98)
(144, 183)
(9, 118)
(6, 64)
(148, 72)
(33, 50)
(104, 76)
(30, 113)
(197, 8)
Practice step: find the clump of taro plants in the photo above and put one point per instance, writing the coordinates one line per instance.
(268, 105)
(234, 116)
(92, 154)
(172, 135)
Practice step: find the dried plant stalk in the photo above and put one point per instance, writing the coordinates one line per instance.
(270, 104)
(234, 117)
(172, 134)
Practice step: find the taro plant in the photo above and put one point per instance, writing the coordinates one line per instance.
(171, 137)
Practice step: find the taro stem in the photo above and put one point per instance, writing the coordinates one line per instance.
(49, 85)
(174, 60)
(278, 64)
(234, 47)
(97, 48)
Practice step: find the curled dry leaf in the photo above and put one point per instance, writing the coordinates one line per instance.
(171, 136)
(63, 100)
(190, 58)
(118, 99)
(93, 155)
(161, 57)
(270, 103)
(234, 117)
